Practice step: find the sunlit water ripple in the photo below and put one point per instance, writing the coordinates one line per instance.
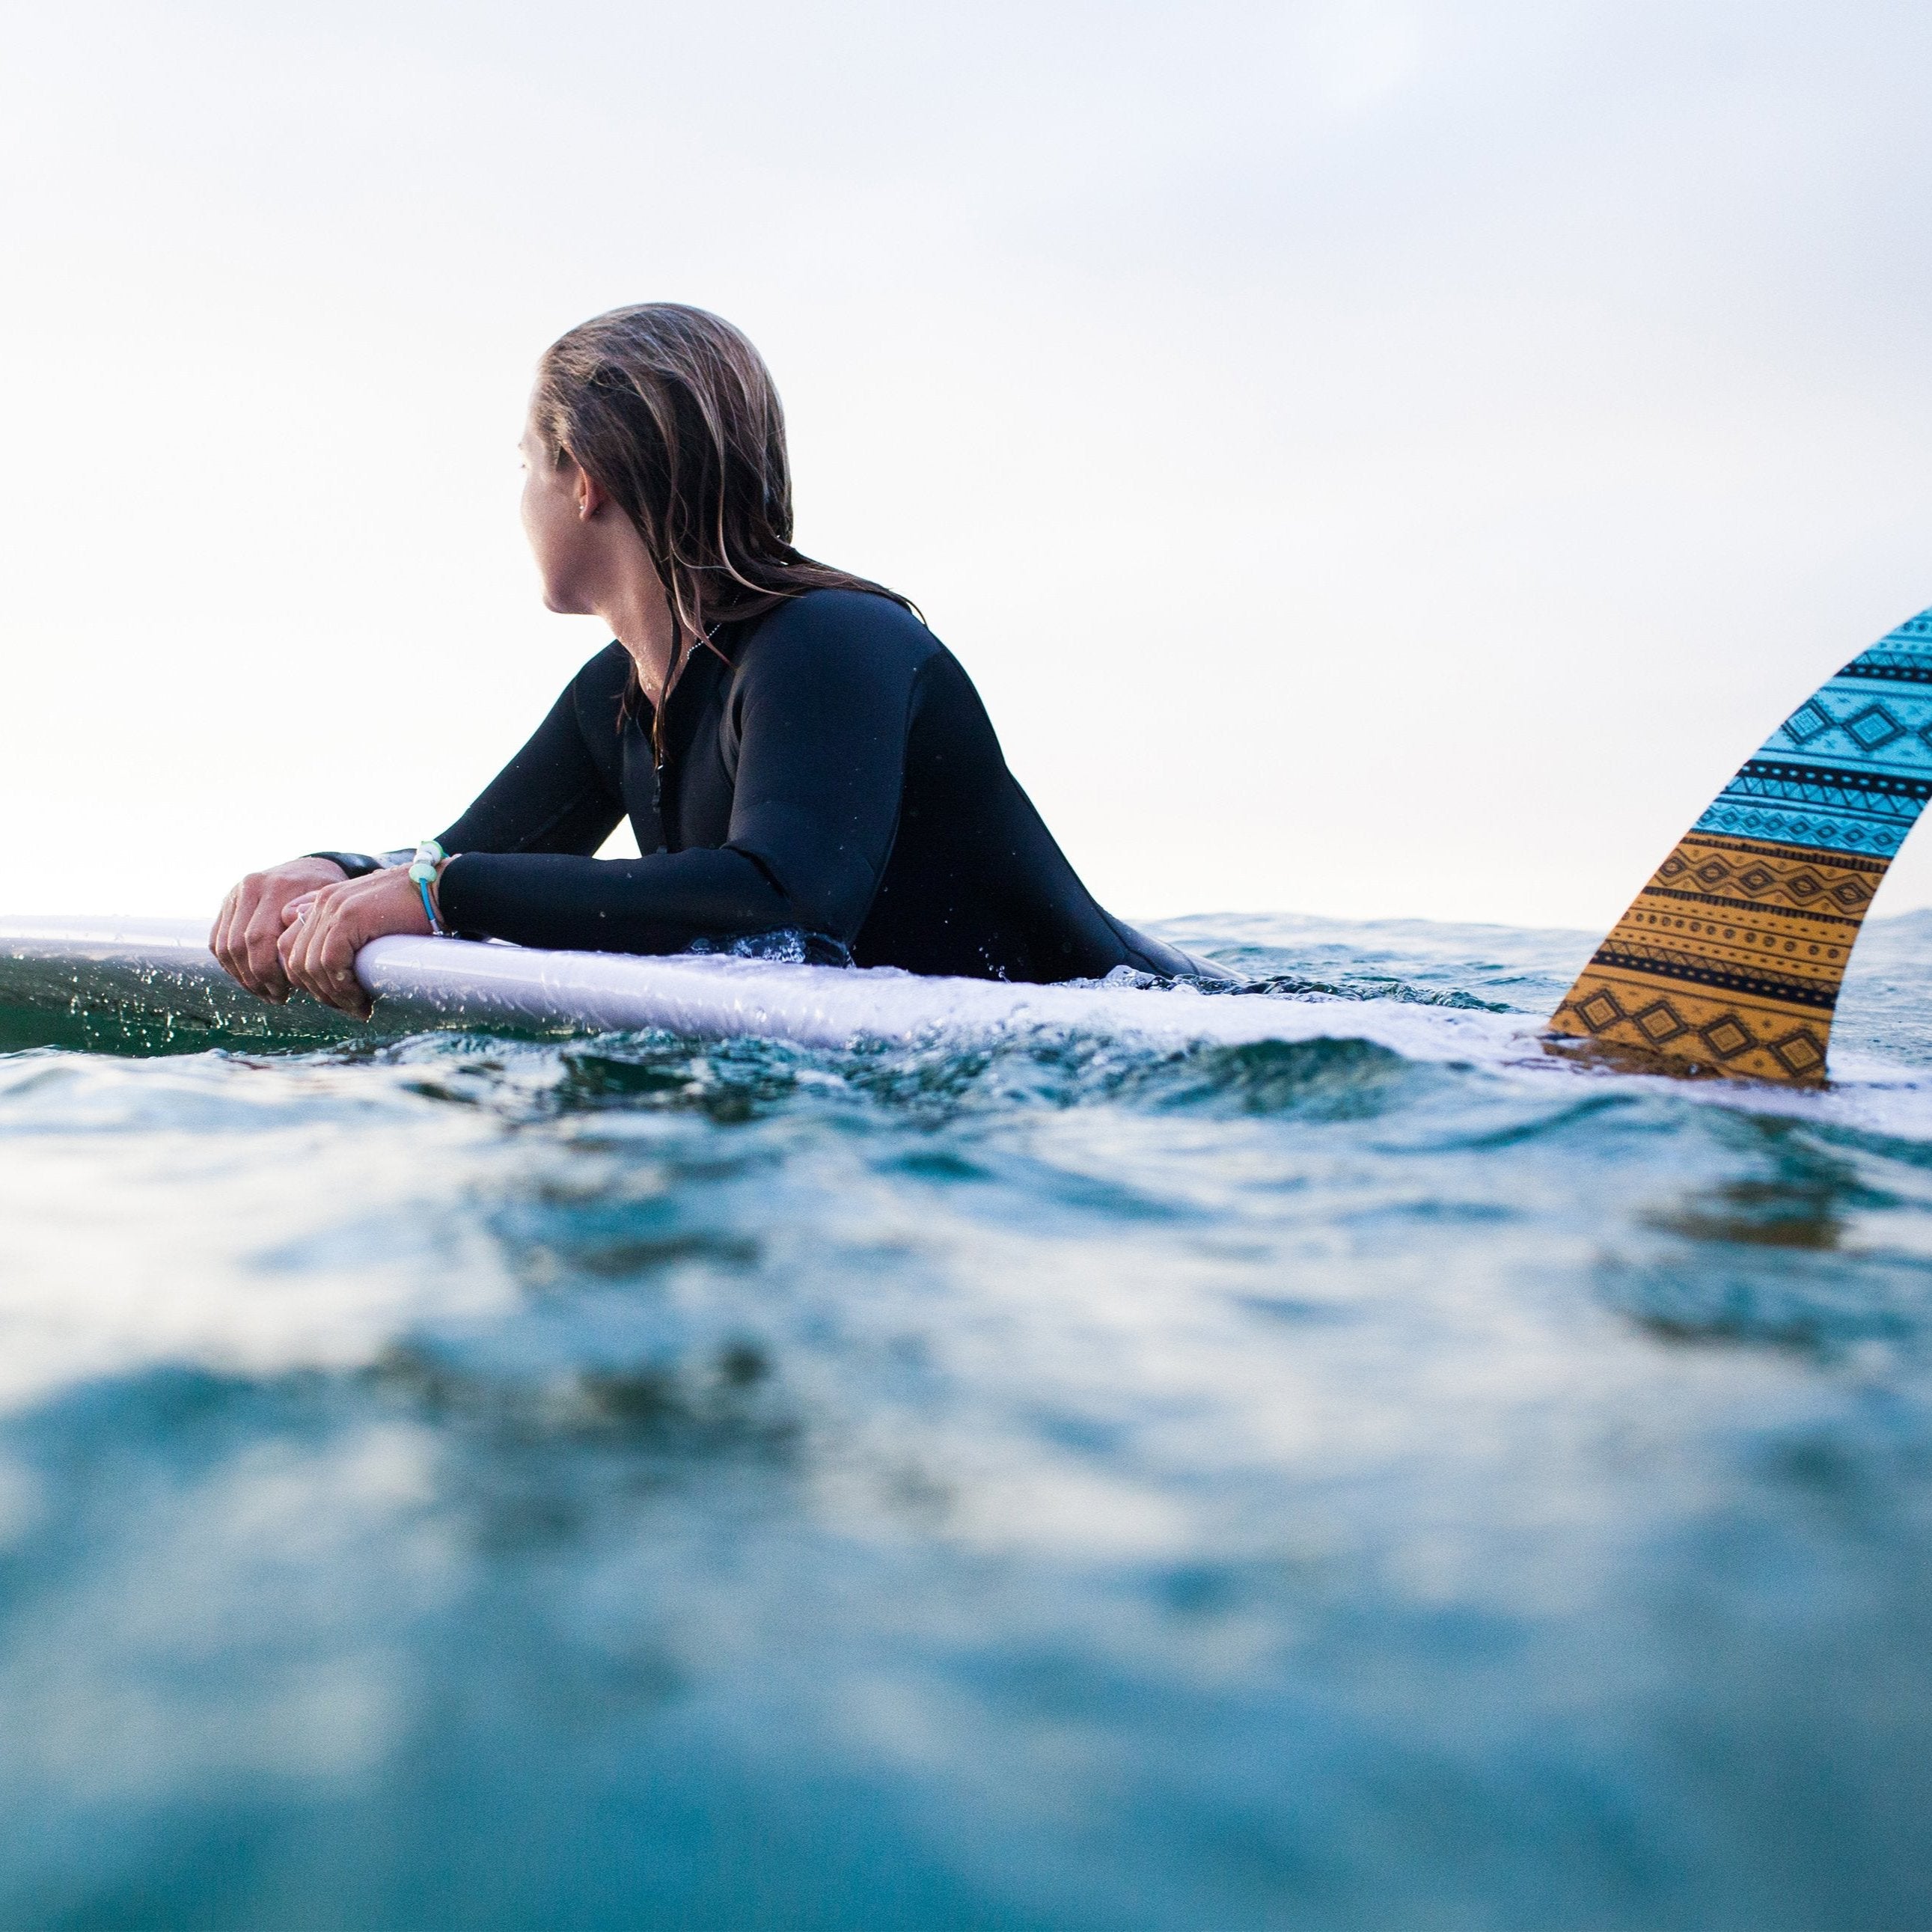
(1040, 1482)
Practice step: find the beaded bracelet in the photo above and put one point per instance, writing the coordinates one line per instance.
(422, 876)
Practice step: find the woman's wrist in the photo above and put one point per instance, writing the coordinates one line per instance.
(425, 874)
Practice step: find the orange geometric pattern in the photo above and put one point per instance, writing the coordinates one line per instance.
(1730, 959)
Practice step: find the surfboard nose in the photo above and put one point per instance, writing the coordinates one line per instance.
(1730, 959)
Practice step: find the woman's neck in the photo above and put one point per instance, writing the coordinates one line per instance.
(639, 615)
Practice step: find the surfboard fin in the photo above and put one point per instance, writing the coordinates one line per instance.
(1729, 960)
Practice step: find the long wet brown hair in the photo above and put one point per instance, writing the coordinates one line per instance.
(674, 415)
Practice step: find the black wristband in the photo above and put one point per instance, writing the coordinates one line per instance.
(354, 865)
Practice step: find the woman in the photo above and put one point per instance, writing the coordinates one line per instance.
(798, 755)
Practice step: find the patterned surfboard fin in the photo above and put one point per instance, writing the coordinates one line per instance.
(1730, 959)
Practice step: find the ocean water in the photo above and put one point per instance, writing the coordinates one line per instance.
(1041, 1480)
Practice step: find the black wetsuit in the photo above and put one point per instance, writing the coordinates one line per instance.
(838, 779)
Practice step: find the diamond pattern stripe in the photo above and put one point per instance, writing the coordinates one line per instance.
(1730, 959)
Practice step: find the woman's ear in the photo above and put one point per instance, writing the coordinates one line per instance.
(590, 499)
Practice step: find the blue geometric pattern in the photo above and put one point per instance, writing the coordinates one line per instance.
(1851, 769)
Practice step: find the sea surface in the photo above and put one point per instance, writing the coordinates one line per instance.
(1045, 1480)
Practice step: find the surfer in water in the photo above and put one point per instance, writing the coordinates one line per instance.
(806, 766)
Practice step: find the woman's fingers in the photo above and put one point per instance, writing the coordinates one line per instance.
(221, 941)
(217, 936)
(336, 947)
(314, 913)
(259, 943)
(319, 948)
(335, 968)
(295, 945)
(234, 945)
(297, 937)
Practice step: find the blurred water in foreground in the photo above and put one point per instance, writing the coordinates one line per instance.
(466, 1481)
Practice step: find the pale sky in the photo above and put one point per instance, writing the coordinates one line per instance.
(1374, 459)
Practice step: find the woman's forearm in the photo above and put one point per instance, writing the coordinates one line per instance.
(658, 904)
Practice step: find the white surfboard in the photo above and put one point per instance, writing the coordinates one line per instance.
(157, 976)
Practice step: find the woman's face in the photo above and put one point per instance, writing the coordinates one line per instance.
(554, 520)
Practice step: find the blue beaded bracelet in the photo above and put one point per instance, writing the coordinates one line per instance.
(422, 875)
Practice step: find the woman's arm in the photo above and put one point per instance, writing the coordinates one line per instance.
(562, 792)
(822, 707)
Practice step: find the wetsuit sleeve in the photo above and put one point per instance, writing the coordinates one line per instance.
(563, 792)
(657, 904)
(820, 713)
(360, 865)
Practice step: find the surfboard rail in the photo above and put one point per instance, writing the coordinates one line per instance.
(147, 982)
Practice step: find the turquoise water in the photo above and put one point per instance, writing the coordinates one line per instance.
(1047, 1482)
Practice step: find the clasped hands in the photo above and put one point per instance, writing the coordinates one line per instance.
(299, 926)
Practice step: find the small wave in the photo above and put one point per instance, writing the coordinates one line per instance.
(1821, 1304)
(1313, 1079)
